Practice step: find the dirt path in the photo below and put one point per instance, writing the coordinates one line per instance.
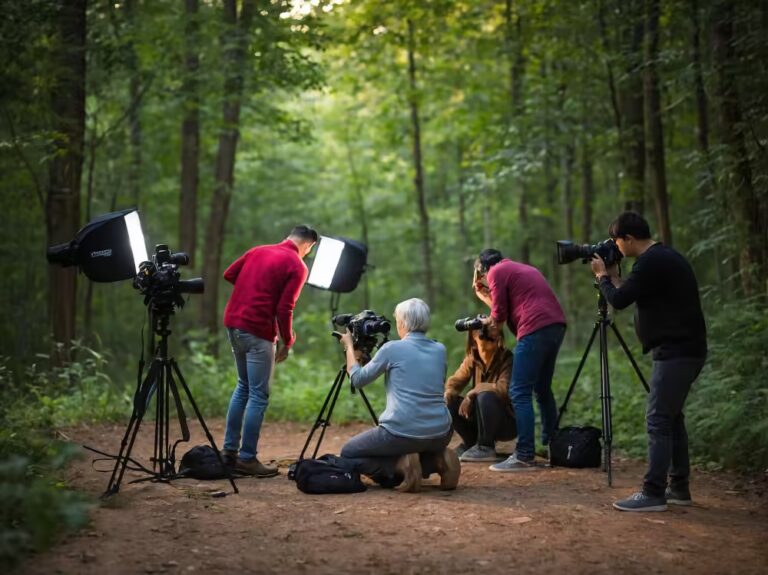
(549, 521)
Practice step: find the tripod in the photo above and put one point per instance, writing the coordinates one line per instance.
(324, 417)
(160, 381)
(601, 327)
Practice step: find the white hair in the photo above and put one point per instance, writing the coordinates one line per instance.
(413, 315)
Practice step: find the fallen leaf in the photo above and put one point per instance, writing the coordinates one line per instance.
(659, 521)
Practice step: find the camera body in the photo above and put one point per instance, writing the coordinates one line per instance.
(159, 279)
(568, 252)
(365, 327)
(469, 323)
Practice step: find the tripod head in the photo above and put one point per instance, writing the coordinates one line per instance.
(602, 303)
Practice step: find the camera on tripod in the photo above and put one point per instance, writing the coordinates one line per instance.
(365, 326)
(159, 278)
(568, 252)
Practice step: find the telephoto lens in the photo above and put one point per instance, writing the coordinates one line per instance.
(469, 323)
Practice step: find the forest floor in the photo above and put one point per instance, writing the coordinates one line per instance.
(546, 521)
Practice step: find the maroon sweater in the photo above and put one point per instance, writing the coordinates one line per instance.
(522, 297)
(268, 281)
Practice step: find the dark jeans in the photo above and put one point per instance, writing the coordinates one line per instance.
(375, 453)
(670, 383)
(532, 371)
(490, 420)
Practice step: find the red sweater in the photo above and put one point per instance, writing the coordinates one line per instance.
(268, 281)
(522, 297)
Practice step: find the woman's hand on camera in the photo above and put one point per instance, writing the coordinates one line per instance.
(346, 340)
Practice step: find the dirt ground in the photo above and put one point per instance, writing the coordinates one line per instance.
(547, 521)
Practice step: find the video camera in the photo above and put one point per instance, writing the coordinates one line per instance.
(159, 280)
(365, 326)
(568, 252)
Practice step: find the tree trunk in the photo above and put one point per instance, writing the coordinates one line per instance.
(750, 214)
(568, 161)
(65, 168)
(134, 117)
(235, 41)
(358, 200)
(513, 39)
(418, 179)
(467, 259)
(587, 194)
(190, 134)
(654, 124)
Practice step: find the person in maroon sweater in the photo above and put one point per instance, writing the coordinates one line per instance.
(268, 281)
(519, 295)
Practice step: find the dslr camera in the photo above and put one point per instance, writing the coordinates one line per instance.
(366, 327)
(568, 252)
(469, 323)
(159, 280)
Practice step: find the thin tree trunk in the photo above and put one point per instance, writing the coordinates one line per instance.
(467, 259)
(134, 118)
(418, 179)
(65, 168)
(235, 42)
(190, 133)
(513, 39)
(358, 200)
(631, 99)
(749, 212)
(587, 193)
(88, 301)
(654, 124)
(568, 160)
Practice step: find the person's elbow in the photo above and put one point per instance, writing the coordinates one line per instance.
(619, 300)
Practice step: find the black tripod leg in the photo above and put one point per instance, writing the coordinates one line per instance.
(564, 406)
(199, 415)
(631, 358)
(605, 398)
(141, 399)
(321, 419)
(370, 409)
(327, 420)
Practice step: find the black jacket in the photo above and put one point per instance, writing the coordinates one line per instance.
(668, 316)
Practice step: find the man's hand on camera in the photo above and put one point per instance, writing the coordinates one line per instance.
(282, 352)
(598, 267)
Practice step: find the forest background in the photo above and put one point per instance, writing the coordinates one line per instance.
(429, 130)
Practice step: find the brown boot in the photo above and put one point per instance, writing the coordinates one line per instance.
(255, 468)
(229, 457)
(410, 466)
(448, 466)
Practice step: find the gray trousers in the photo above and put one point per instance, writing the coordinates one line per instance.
(670, 383)
(375, 453)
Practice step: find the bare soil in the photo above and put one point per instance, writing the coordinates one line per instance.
(546, 521)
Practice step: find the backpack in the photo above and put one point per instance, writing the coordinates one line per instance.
(576, 447)
(201, 462)
(328, 474)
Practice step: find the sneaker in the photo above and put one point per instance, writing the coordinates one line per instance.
(229, 457)
(641, 502)
(512, 463)
(479, 454)
(449, 468)
(410, 466)
(460, 449)
(678, 496)
(255, 468)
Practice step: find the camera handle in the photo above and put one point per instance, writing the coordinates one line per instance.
(602, 323)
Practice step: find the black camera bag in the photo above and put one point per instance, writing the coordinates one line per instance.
(328, 474)
(576, 447)
(201, 462)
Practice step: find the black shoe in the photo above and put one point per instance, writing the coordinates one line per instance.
(641, 502)
(678, 496)
(229, 457)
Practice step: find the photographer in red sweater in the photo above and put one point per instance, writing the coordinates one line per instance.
(268, 280)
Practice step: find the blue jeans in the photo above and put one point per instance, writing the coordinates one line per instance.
(532, 371)
(255, 360)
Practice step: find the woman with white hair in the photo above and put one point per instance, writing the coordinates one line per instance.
(411, 440)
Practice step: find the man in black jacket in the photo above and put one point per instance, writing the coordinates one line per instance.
(670, 324)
